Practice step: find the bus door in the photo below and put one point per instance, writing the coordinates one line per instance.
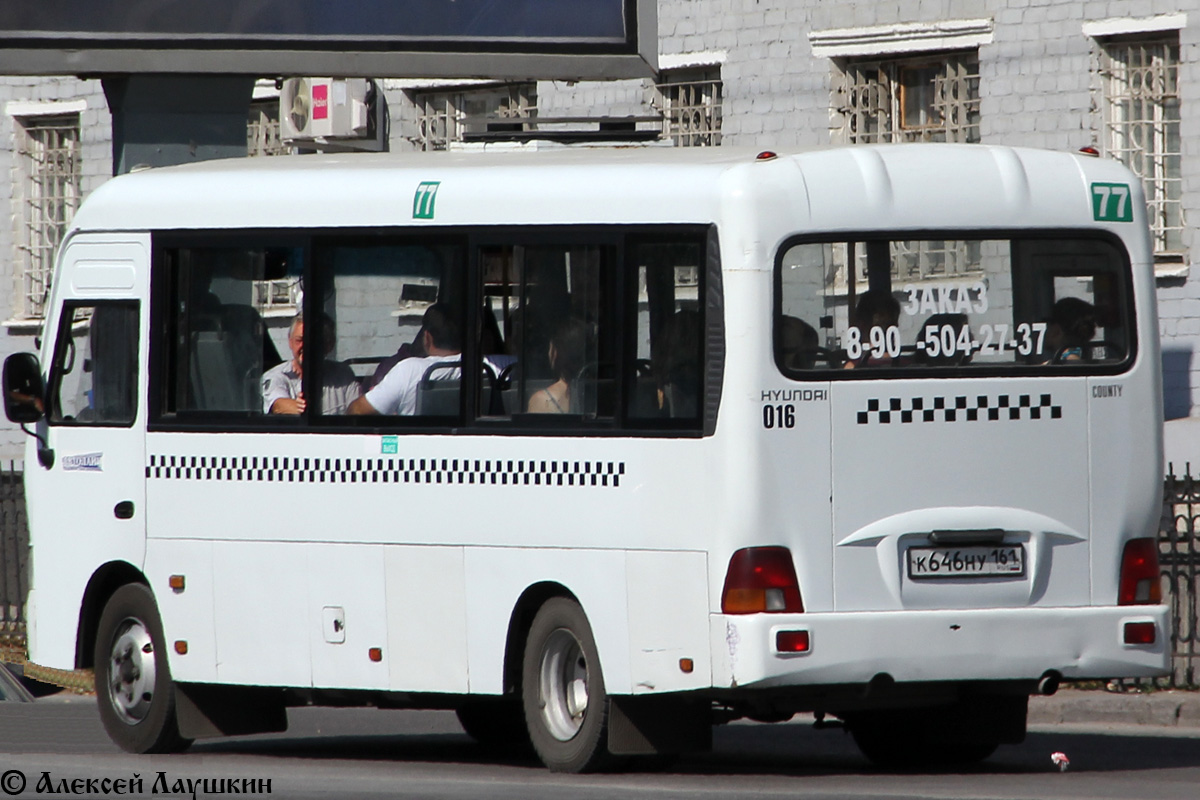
(95, 503)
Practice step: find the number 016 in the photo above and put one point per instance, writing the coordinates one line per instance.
(783, 416)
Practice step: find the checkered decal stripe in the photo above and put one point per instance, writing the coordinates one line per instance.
(283, 469)
(960, 409)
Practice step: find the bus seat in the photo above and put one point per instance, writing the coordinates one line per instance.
(438, 390)
(249, 342)
(217, 383)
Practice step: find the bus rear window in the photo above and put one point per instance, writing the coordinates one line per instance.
(918, 305)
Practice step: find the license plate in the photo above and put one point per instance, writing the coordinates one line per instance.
(983, 561)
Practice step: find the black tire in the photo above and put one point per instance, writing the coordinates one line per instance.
(913, 740)
(133, 680)
(562, 690)
(495, 722)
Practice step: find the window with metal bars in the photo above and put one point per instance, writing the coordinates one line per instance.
(49, 167)
(262, 130)
(1139, 79)
(445, 117)
(690, 102)
(929, 98)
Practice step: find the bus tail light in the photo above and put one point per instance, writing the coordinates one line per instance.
(1139, 574)
(761, 579)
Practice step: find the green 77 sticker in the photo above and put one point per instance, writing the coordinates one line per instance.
(1111, 202)
(424, 199)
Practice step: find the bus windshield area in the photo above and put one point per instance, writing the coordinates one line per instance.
(913, 305)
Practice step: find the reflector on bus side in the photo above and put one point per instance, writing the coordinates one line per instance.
(761, 579)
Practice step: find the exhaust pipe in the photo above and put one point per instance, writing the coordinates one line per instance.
(1049, 683)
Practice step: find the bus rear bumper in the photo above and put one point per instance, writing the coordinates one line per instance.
(941, 645)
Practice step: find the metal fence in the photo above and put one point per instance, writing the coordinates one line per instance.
(1179, 557)
(14, 557)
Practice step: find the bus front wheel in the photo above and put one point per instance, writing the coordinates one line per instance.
(562, 690)
(133, 680)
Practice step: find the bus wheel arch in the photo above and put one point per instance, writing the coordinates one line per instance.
(499, 722)
(105, 581)
(525, 609)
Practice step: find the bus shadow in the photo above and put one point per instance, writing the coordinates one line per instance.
(788, 750)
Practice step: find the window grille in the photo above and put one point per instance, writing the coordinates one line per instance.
(50, 175)
(919, 99)
(262, 130)
(445, 117)
(911, 262)
(1140, 83)
(690, 102)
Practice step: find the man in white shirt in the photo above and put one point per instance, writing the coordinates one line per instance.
(397, 392)
(283, 384)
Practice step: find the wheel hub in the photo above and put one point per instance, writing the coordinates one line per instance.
(563, 686)
(131, 672)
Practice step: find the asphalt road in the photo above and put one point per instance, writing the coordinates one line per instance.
(365, 753)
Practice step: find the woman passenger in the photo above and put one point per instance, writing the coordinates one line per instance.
(568, 347)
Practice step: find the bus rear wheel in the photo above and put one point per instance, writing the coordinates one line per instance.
(562, 690)
(920, 739)
(133, 680)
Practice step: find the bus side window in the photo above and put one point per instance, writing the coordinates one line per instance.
(377, 295)
(220, 344)
(669, 368)
(547, 329)
(94, 374)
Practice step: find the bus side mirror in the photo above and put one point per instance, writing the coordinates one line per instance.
(24, 390)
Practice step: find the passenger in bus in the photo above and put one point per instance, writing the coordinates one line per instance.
(282, 385)
(567, 352)
(950, 354)
(397, 392)
(876, 309)
(1072, 325)
(413, 349)
(798, 343)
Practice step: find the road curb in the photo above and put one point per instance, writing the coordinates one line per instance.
(1163, 709)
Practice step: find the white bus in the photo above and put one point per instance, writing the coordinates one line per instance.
(670, 438)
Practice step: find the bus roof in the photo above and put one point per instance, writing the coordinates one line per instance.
(858, 188)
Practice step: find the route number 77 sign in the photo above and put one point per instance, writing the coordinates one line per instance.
(1111, 202)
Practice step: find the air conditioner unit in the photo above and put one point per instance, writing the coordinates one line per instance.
(326, 108)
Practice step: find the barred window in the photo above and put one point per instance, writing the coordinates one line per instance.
(690, 102)
(1139, 79)
(445, 117)
(262, 130)
(49, 181)
(932, 98)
